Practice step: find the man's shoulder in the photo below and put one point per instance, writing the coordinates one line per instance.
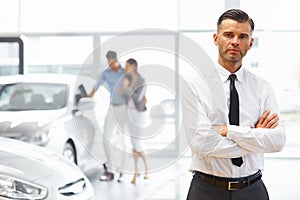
(252, 77)
(141, 77)
(257, 82)
(106, 68)
(105, 71)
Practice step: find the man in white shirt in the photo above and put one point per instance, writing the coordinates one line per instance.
(228, 159)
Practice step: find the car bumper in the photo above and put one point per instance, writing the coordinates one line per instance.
(87, 194)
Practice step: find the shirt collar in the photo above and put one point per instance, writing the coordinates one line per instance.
(224, 73)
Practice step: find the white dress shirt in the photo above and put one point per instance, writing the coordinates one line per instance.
(211, 152)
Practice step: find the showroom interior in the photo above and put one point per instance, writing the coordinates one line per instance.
(55, 47)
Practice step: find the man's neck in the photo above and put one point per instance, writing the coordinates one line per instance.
(232, 67)
(116, 69)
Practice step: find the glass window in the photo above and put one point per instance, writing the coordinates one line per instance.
(9, 16)
(32, 96)
(9, 58)
(136, 14)
(270, 14)
(195, 14)
(58, 53)
(93, 15)
(206, 42)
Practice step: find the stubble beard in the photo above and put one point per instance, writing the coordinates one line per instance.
(234, 59)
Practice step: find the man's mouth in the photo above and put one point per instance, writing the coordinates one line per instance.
(233, 50)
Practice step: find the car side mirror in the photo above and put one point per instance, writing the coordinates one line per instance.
(85, 103)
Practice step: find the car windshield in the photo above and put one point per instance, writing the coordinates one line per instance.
(33, 96)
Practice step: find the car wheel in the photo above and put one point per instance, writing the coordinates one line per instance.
(70, 153)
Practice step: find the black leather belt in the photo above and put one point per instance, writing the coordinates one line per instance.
(116, 104)
(229, 183)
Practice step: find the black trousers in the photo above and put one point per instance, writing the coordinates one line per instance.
(201, 190)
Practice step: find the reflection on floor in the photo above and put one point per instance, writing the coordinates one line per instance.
(281, 177)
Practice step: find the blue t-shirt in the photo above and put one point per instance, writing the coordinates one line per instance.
(114, 81)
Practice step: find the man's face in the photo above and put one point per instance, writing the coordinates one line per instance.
(113, 63)
(233, 39)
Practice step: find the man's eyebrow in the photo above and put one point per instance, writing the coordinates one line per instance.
(239, 33)
(228, 32)
(246, 34)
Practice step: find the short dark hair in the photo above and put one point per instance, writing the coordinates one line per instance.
(237, 15)
(111, 55)
(132, 61)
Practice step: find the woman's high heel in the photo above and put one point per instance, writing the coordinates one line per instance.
(146, 176)
(136, 175)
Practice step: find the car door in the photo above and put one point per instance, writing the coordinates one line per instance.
(82, 130)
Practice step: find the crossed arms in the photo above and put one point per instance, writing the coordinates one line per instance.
(229, 141)
(267, 120)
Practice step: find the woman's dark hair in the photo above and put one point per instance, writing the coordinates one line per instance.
(132, 61)
(237, 15)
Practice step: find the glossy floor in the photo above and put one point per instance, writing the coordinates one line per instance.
(281, 177)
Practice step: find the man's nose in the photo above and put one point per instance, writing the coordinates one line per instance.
(235, 41)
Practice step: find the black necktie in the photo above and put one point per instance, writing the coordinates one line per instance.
(234, 112)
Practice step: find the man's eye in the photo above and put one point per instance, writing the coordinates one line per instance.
(244, 37)
(228, 35)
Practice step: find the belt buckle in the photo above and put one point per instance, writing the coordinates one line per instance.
(230, 186)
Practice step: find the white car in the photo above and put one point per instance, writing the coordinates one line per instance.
(31, 172)
(51, 110)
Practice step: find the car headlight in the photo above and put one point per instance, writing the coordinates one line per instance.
(41, 138)
(16, 189)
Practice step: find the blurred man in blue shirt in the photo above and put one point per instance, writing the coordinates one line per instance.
(112, 76)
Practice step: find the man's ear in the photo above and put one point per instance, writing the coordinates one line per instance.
(251, 43)
(216, 37)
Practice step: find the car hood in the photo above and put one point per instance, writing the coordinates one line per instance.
(39, 116)
(16, 124)
(35, 164)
